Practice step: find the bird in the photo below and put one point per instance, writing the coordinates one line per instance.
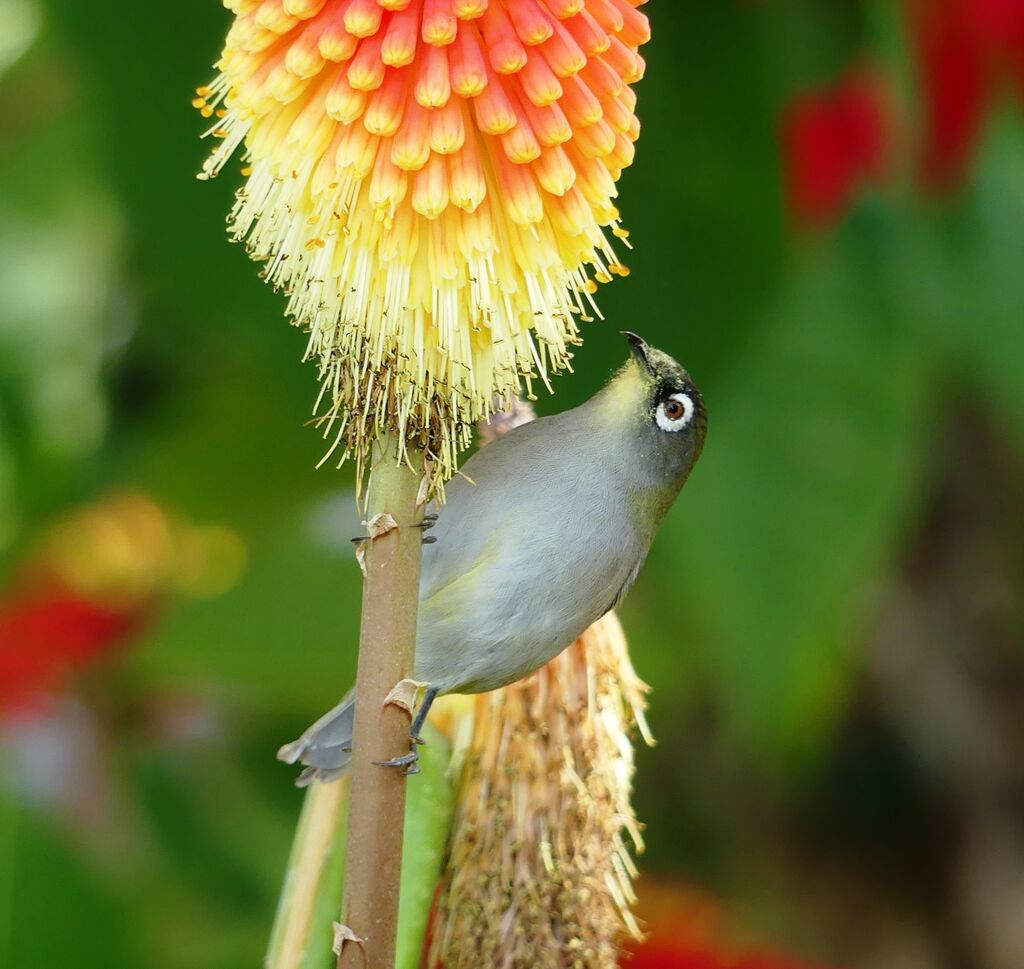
(543, 533)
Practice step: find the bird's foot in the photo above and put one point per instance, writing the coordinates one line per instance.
(429, 521)
(404, 695)
(408, 763)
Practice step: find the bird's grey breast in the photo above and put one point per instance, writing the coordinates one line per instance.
(530, 551)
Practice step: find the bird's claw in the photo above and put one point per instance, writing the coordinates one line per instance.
(409, 763)
(429, 521)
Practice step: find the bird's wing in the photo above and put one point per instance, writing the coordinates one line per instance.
(488, 499)
(466, 527)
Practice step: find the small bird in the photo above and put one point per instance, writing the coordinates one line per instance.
(542, 535)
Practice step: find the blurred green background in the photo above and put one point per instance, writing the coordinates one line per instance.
(827, 210)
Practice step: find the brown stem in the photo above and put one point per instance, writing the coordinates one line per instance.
(387, 645)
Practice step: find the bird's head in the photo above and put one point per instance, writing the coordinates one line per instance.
(658, 406)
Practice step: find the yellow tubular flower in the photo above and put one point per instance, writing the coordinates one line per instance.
(429, 181)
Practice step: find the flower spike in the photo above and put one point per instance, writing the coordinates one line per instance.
(430, 183)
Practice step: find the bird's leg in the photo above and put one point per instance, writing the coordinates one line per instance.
(429, 696)
(410, 762)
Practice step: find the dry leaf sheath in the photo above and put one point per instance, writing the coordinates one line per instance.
(540, 871)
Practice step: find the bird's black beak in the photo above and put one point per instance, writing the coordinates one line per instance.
(639, 347)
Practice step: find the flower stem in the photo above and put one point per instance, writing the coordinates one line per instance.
(387, 645)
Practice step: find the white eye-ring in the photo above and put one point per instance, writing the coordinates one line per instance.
(675, 413)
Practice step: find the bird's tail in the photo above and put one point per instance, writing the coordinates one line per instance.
(326, 747)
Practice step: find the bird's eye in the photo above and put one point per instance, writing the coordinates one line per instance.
(675, 413)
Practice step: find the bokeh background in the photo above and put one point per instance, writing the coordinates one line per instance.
(828, 217)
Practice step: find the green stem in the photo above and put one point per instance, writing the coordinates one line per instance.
(387, 644)
(301, 938)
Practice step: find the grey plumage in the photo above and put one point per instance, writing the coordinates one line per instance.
(546, 535)
(326, 747)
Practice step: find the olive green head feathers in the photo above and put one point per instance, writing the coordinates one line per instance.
(662, 412)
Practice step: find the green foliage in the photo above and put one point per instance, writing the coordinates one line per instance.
(985, 282)
(428, 819)
(40, 865)
(800, 499)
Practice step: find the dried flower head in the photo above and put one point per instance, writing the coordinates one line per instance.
(540, 872)
(429, 181)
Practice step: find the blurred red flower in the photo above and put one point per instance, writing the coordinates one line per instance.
(689, 929)
(48, 633)
(964, 49)
(95, 578)
(652, 955)
(661, 955)
(834, 140)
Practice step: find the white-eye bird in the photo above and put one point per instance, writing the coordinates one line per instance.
(543, 535)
